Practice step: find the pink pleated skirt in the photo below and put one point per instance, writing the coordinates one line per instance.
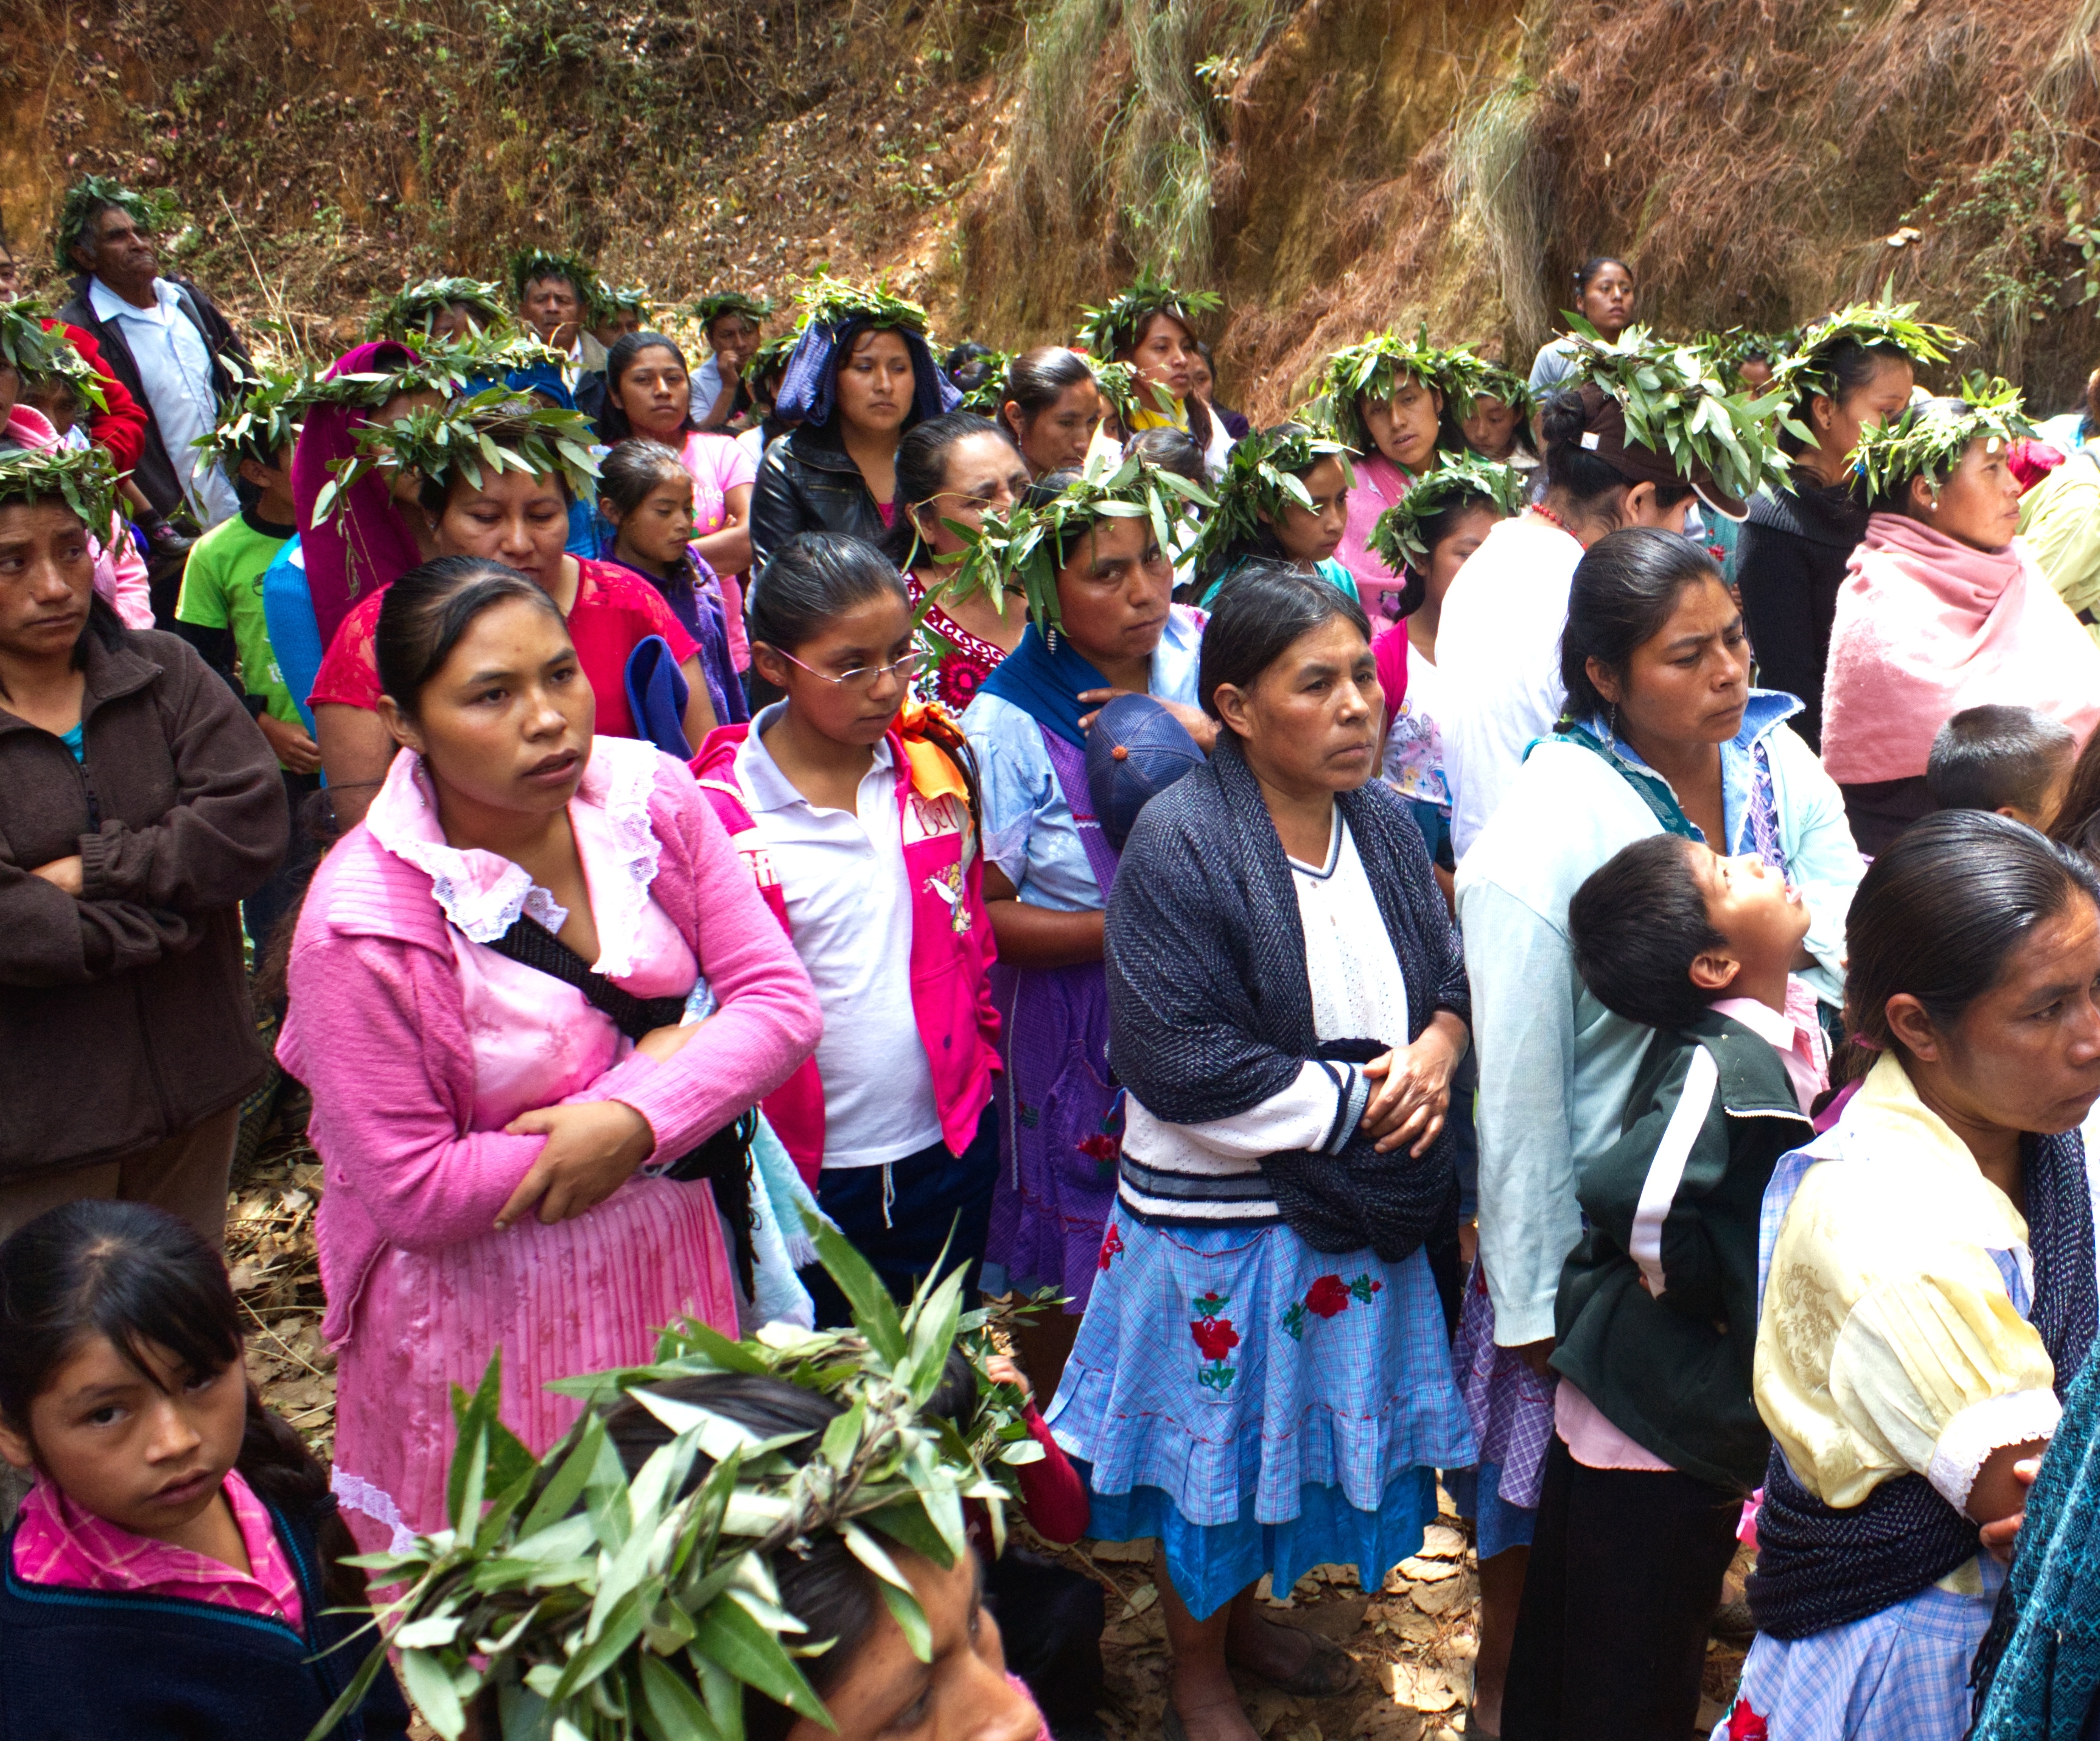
(580, 1296)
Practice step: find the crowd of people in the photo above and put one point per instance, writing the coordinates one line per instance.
(1537, 938)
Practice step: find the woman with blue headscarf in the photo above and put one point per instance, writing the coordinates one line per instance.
(860, 375)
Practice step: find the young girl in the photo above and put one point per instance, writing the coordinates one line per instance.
(1285, 498)
(856, 814)
(646, 495)
(955, 468)
(1605, 297)
(1151, 327)
(1052, 406)
(175, 1567)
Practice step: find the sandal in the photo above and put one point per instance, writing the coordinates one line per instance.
(1327, 1672)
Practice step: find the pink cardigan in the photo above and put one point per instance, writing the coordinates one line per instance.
(377, 1033)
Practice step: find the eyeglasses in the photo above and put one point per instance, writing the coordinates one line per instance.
(859, 680)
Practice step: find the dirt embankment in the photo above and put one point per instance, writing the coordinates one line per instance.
(1333, 165)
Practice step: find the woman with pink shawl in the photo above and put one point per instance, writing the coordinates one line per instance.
(1941, 609)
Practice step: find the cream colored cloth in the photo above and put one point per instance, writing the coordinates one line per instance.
(1888, 1341)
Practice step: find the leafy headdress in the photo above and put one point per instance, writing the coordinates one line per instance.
(709, 309)
(1119, 324)
(834, 313)
(1870, 326)
(1729, 350)
(984, 397)
(1464, 377)
(1376, 368)
(602, 1607)
(154, 211)
(409, 313)
(1264, 472)
(453, 369)
(38, 353)
(84, 478)
(1680, 420)
(773, 353)
(1126, 390)
(1023, 548)
(498, 430)
(264, 421)
(529, 264)
(1397, 539)
(1929, 440)
(603, 301)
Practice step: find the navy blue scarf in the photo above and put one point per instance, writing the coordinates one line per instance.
(1046, 685)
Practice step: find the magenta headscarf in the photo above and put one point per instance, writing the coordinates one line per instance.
(362, 545)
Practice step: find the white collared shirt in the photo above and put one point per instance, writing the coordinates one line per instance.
(174, 371)
(849, 915)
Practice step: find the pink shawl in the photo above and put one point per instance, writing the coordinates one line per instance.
(1927, 626)
(364, 546)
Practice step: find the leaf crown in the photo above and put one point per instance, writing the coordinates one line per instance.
(410, 311)
(1376, 368)
(774, 352)
(85, 479)
(1117, 323)
(1870, 326)
(264, 421)
(604, 300)
(985, 398)
(528, 264)
(1464, 377)
(595, 1604)
(710, 309)
(1126, 390)
(496, 431)
(1929, 440)
(831, 303)
(1023, 548)
(36, 353)
(1397, 539)
(1264, 473)
(1729, 350)
(154, 211)
(1677, 405)
(452, 368)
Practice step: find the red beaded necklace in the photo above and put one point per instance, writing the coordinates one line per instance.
(1547, 514)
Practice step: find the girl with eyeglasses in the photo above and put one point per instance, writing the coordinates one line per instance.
(856, 809)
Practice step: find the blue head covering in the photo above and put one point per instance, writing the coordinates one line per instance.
(810, 387)
(542, 377)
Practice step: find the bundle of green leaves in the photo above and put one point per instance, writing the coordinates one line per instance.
(1128, 392)
(449, 367)
(599, 1608)
(38, 353)
(1396, 540)
(84, 478)
(605, 302)
(410, 312)
(529, 264)
(1930, 441)
(831, 303)
(1871, 325)
(984, 398)
(1376, 369)
(1729, 350)
(496, 431)
(1023, 548)
(1465, 377)
(1264, 473)
(709, 309)
(1676, 404)
(1119, 323)
(264, 421)
(773, 353)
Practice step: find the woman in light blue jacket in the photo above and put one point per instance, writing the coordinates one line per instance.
(1661, 732)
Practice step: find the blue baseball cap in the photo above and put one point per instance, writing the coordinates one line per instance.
(1136, 749)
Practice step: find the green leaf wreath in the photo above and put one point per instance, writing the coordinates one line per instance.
(984, 398)
(1396, 540)
(448, 367)
(1264, 472)
(830, 302)
(410, 310)
(1729, 350)
(599, 1608)
(604, 301)
(773, 353)
(1119, 322)
(264, 421)
(496, 431)
(1808, 368)
(1128, 392)
(156, 212)
(1021, 549)
(709, 309)
(85, 479)
(528, 264)
(1676, 404)
(1463, 376)
(1376, 368)
(1929, 440)
(37, 353)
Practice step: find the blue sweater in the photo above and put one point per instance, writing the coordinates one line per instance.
(90, 1665)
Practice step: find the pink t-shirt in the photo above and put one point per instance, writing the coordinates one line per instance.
(718, 464)
(62, 1545)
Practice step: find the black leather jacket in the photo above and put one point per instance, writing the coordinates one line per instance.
(809, 482)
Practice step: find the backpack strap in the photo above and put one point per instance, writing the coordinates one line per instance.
(532, 944)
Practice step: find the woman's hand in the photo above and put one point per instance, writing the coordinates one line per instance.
(64, 874)
(593, 1148)
(1414, 1092)
(1195, 721)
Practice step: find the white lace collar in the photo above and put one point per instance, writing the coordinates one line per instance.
(482, 892)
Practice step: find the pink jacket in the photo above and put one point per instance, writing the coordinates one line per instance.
(951, 942)
(119, 571)
(377, 1033)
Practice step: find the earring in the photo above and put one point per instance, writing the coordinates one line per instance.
(1612, 726)
(1052, 637)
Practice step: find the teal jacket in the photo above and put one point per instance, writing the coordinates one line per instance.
(1674, 1204)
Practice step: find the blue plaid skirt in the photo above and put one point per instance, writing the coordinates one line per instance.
(1259, 1406)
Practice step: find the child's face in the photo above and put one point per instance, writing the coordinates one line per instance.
(1760, 913)
(1311, 535)
(146, 1450)
(661, 529)
(868, 638)
(274, 481)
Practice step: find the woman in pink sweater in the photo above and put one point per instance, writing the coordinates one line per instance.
(493, 1144)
